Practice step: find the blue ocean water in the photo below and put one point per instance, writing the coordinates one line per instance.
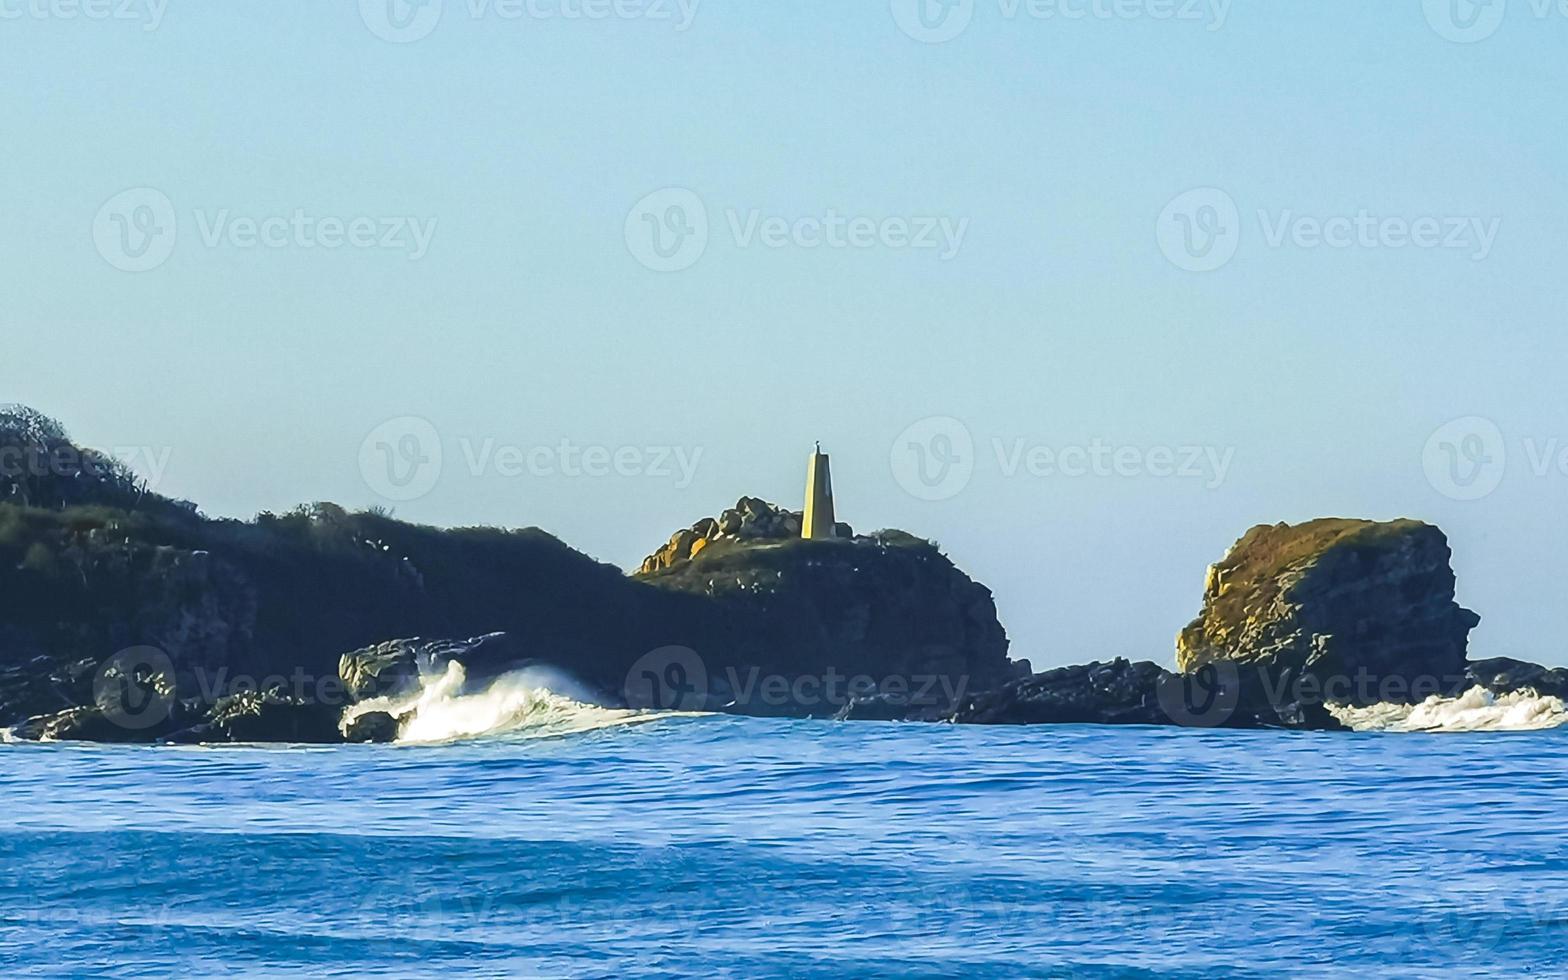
(717, 846)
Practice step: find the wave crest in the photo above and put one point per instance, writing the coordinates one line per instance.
(525, 704)
(1476, 710)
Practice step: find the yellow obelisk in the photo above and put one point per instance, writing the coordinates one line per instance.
(818, 522)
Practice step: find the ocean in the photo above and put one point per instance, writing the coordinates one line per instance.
(570, 841)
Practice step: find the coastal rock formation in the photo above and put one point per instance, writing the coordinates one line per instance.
(771, 623)
(1120, 692)
(393, 667)
(264, 716)
(1503, 675)
(752, 519)
(1365, 608)
(1114, 693)
(372, 726)
(787, 626)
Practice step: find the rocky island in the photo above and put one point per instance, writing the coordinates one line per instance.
(130, 617)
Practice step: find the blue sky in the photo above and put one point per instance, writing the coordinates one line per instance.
(497, 288)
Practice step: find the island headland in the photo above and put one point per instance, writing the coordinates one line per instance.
(130, 617)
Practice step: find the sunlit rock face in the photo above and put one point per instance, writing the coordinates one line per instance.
(1367, 605)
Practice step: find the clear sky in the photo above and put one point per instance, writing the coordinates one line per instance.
(995, 229)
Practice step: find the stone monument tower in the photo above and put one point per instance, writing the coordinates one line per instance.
(818, 522)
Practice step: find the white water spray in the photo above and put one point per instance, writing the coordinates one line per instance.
(1476, 710)
(526, 703)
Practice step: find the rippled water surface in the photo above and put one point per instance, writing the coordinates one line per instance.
(713, 846)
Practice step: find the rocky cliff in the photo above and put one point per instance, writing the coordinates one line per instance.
(1367, 606)
(752, 620)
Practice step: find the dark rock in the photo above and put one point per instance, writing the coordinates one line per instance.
(100, 723)
(1124, 693)
(385, 669)
(372, 726)
(80, 724)
(1114, 693)
(1502, 675)
(264, 716)
(1353, 602)
(395, 666)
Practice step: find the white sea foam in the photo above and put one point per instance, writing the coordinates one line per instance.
(1476, 710)
(529, 703)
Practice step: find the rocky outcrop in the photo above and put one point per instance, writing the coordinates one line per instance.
(799, 627)
(1503, 675)
(371, 726)
(1114, 693)
(264, 716)
(1365, 609)
(394, 667)
(752, 519)
(1120, 692)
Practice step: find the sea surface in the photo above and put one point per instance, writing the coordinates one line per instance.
(721, 846)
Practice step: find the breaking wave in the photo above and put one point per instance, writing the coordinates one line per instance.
(526, 703)
(1476, 710)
